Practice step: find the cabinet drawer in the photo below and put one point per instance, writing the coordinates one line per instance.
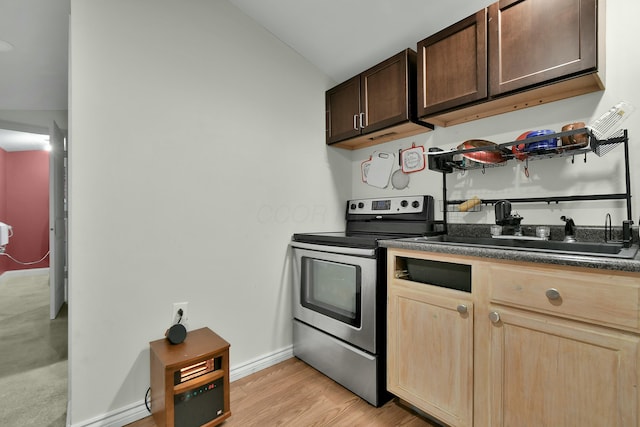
(600, 297)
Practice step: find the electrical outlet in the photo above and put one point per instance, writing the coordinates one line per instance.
(175, 317)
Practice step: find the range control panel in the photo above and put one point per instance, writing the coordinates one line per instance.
(387, 205)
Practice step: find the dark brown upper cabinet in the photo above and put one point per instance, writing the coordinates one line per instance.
(453, 66)
(343, 111)
(534, 52)
(538, 41)
(376, 106)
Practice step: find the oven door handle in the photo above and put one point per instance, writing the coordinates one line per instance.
(334, 249)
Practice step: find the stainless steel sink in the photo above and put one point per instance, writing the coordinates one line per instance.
(611, 250)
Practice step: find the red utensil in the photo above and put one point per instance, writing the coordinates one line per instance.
(518, 149)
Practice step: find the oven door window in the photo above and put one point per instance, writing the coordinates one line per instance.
(333, 289)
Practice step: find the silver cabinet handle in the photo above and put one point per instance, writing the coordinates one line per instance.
(362, 125)
(494, 316)
(462, 309)
(552, 294)
(355, 121)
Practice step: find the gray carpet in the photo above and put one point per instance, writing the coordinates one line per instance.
(33, 359)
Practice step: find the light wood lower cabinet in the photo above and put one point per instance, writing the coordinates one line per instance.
(538, 345)
(430, 350)
(546, 371)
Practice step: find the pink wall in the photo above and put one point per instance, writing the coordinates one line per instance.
(27, 207)
(3, 201)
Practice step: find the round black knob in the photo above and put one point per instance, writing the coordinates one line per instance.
(353, 206)
(415, 204)
(404, 203)
(361, 205)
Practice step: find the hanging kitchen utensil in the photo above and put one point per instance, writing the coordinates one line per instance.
(489, 156)
(543, 146)
(400, 179)
(412, 159)
(380, 169)
(572, 142)
(364, 169)
(518, 149)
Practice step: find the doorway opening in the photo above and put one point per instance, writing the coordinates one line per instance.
(33, 196)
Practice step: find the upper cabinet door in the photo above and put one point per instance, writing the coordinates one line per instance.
(385, 92)
(537, 41)
(343, 111)
(452, 66)
(376, 106)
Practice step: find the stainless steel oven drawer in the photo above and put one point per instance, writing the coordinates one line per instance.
(354, 369)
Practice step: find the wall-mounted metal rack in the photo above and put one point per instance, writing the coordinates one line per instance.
(447, 162)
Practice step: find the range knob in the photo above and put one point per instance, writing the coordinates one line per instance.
(361, 205)
(415, 204)
(353, 206)
(404, 203)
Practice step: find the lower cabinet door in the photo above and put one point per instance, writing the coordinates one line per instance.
(546, 371)
(430, 351)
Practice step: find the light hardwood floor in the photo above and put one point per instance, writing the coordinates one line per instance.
(292, 393)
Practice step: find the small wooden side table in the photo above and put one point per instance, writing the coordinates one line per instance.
(190, 380)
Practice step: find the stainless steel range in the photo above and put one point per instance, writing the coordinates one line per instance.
(339, 292)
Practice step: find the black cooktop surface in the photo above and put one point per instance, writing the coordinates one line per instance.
(344, 239)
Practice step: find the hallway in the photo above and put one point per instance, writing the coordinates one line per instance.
(33, 360)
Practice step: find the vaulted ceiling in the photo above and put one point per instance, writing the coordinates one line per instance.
(344, 37)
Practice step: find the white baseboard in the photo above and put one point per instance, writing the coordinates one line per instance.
(260, 363)
(116, 418)
(136, 411)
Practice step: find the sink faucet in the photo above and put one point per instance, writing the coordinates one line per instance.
(504, 216)
(569, 229)
(626, 233)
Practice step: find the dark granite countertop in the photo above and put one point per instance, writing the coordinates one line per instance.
(592, 234)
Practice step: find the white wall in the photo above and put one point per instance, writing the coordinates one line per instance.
(196, 150)
(181, 110)
(550, 177)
